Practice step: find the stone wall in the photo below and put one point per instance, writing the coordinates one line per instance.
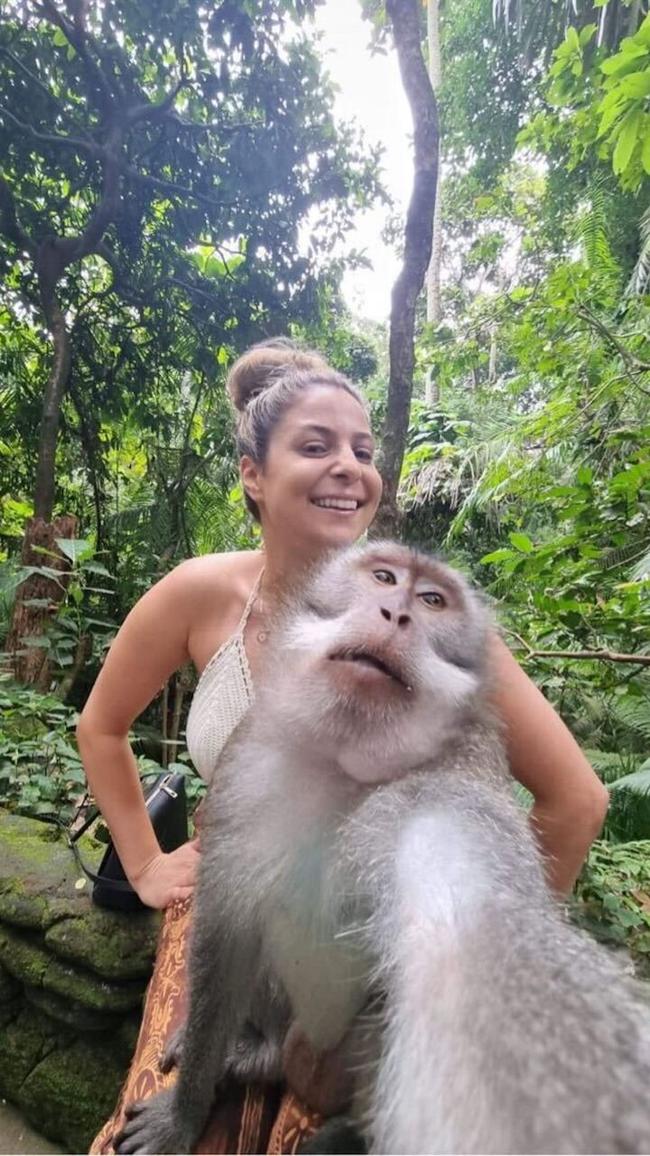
(72, 977)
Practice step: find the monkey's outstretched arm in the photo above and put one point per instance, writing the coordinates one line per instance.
(222, 974)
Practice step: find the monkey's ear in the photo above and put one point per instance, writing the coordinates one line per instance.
(250, 476)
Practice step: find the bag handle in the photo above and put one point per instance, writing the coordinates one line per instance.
(71, 838)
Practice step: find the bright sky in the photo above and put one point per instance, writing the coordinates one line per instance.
(370, 91)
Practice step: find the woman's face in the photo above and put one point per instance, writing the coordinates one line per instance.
(318, 487)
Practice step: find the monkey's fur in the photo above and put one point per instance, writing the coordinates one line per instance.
(361, 837)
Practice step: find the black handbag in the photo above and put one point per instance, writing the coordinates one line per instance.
(166, 803)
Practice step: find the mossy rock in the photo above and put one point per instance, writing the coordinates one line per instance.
(72, 1091)
(9, 987)
(112, 944)
(69, 1012)
(24, 1042)
(39, 874)
(25, 958)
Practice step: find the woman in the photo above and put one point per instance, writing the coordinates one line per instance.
(309, 478)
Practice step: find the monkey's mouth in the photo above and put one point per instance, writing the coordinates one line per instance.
(368, 659)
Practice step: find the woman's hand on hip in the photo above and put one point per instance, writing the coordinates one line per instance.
(168, 877)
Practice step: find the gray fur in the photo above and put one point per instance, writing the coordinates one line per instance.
(368, 842)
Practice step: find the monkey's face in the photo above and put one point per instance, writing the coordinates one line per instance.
(385, 653)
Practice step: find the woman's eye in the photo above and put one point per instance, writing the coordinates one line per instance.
(364, 454)
(433, 598)
(385, 576)
(315, 448)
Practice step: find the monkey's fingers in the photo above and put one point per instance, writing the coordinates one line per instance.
(171, 1056)
(154, 1126)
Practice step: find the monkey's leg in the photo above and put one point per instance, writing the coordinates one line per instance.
(224, 957)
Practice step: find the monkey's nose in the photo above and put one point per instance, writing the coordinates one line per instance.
(402, 619)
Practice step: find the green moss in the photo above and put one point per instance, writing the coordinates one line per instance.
(22, 909)
(25, 959)
(24, 1042)
(114, 945)
(69, 1012)
(71, 1092)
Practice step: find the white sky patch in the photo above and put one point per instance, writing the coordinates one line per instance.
(370, 92)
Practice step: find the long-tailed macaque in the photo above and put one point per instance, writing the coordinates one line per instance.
(367, 873)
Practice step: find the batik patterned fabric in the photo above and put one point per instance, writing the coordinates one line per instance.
(246, 1119)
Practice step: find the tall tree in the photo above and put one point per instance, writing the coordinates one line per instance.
(405, 18)
(162, 159)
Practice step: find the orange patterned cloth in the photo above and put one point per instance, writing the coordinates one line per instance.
(251, 1118)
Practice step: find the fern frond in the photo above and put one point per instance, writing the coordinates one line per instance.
(633, 713)
(612, 766)
(629, 813)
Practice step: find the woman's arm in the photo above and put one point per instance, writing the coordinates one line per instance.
(150, 645)
(570, 801)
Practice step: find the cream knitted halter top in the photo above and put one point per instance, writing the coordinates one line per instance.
(223, 695)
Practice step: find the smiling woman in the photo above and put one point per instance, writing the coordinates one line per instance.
(309, 478)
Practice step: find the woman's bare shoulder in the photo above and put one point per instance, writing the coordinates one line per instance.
(225, 573)
(213, 587)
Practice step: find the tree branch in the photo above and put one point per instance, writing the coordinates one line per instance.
(29, 74)
(174, 189)
(9, 223)
(152, 111)
(580, 655)
(633, 363)
(55, 138)
(79, 38)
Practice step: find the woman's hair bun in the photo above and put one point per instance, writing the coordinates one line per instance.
(262, 365)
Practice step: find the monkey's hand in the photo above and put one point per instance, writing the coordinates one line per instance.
(154, 1125)
(168, 877)
(321, 1079)
(173, 1052)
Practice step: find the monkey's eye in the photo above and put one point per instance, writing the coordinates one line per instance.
(434, 599)
(385, 576)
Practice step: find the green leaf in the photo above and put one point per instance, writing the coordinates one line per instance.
(586, 34)
(627, 139)
(645, 150)
(521, 542)
(623, 61)
(496, 556)
(74, 548)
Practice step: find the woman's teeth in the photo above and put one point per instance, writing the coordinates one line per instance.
(336, 503)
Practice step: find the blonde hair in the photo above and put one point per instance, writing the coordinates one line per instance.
(265, 382)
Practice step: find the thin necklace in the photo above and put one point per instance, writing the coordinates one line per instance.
(262, 635)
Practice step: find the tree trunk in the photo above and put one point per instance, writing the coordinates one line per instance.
(434, 307)
(30, 664)
(435, 76)
(405, 19)
(51, 412)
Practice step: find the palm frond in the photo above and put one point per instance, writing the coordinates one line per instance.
(641, 569)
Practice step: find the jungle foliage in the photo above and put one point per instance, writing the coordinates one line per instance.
(157, 178)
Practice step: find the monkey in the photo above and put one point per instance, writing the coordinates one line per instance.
(368, 874)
